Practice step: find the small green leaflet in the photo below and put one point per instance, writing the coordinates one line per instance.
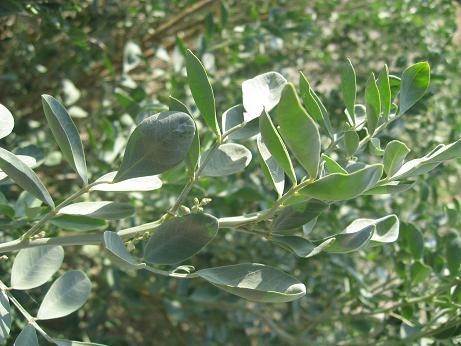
(414, 83)
(373, 104)
(349, 89)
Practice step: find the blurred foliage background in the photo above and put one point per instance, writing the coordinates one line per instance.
(113, 62)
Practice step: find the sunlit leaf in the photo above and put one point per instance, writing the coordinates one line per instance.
(385, 92)
(414, 83)
(394, 156)
(6, 121)
(100, 210)
(146, 183)
(349, 89)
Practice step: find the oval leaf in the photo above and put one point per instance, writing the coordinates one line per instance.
(27, 337)
(332, 166)
(227, 159)
(275, 145)
(298, 214)
(349, 242)
(24, 176)
(158, 143)
(262, 92)
(300, 246)
(100, 210)
(6, 121)
(34, 266)
(271, 169)
(177, 240)
(414, 83)
(387, 228)
(350, 142)
(255, 282)
(140, 184)
(78, 223)
(394, 156)
(340, 186)
(202, 91)
(298, 130)
(66, 295)
(66, 135)
(5, 317)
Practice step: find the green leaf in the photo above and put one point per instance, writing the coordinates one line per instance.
(201, 91)
(349, 89)
(332, 166)
(394, 156)
(118, 252)
(300, 246)
(375, 147)
(428, 162)
(100, 210)
(394, 83)
(298, 130)
(384, 88)
(262, 92)
(24, 176)
(419, 272)
(271, 169)
(178, 239)
(66, 135)
(6, 121)
(66, 295)
(27, 337)
(255, 282)
(227, 159)
(373, 104)
(233, 117)
(340, 186)
(78, 223)
(158, 143)
(29, 161)
(349, 242)
(62, 342)
(194, 151)
(146, 183)
(275, 145)
(5, 317)
(386, 228)
(314, 106)
(350, 142)
(414, 83)
(412, 240)
(453, 253)
(298, 214)
(390, 188)
(33, 267)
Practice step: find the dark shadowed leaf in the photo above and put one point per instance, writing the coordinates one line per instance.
(34, 266)
(390, 188)
(178, 239)
(298, 214)
(66, 135)
(62, 342)
(118, 252)
(24, 176)
(255, 282)
(66, 295)
(158, 143)
(233, 117)
(27, 337)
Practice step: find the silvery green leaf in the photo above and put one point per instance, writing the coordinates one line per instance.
(66, 295)
(5, 317)
(332, 166)
(261, 92)
(255, 282)
(300, 246)
(394, 156)
(234, 117)
(33, 267)
(384, 88)
(27, 337)
(349, 89)
(27, 160)
(6, 121)
(139, 184)
(180, 238)
(390, 188)
(66, 135)
(78, 223)
(100, 210)
(227, 159)
(158, 143)
(298, 214)
(271, 169)
(348, 242)
(387, 228)
(373, 104)
(118, 252)
(24, 176)
(414, 83)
